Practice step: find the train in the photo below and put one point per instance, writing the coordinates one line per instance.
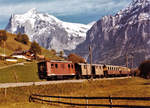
(51, 70)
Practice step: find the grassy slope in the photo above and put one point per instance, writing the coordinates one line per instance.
(135, 87)
(24, 73)
(12, 45)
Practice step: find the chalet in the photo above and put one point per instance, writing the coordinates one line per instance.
(27, 54)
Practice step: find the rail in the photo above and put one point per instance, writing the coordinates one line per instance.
(36, 97)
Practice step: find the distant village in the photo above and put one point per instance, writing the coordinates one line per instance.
(26, 55)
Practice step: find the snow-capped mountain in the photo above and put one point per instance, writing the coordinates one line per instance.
(126, 33)
(47, 30)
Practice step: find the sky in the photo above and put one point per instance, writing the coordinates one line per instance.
(76, 11)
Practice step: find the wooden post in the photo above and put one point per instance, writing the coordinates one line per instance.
(87, 102)
(110, 101)
(5, 92)
(15, 75)
(59, 98)
(70, 100)
(42, 100)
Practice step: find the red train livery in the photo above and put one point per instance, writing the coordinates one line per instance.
(56, 69)
(67, 69)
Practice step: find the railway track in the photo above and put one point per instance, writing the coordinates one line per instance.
(20, 84)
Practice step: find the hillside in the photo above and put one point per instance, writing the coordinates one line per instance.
(12, 45)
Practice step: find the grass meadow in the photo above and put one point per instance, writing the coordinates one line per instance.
(131, 87)
(19, 73)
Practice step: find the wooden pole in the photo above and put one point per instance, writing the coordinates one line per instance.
(87, 102)
(132, 62)
(15, 76)
(90, 54)
(110, 101)
(5, 92)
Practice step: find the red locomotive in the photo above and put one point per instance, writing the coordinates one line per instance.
(56, 69)
(67, 69)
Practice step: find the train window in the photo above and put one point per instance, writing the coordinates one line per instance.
(72, 66)
(101, 67)
(56, 65)
(68, 65)
(52, 65)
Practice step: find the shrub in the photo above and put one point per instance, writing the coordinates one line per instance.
(145, 69)
(23, 38)
(75, 58)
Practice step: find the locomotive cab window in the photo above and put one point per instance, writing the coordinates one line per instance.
(52, 65)
(56, 65)
(72, 66)
(85, 67)
(68, 65)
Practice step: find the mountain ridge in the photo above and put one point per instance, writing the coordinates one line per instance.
(125, 33)
(47, 30)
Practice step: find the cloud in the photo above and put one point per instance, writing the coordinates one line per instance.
(61, 7)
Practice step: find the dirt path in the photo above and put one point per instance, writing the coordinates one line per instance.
(7, 85)
(12, 65)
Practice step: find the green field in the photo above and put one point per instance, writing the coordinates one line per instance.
(132, 87)
(19, 73)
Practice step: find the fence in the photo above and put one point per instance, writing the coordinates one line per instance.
(36, 97)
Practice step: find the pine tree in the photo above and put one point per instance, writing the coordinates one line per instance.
(75, 58)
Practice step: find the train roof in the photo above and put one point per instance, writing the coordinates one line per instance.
(101, 65)
(56, 61)
(89, 64)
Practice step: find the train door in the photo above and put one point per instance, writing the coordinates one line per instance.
(78, 70)
(93, 70)
(105, 70)
(42, 70)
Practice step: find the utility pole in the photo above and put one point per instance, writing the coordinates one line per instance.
(4, 49)
(90, 54)
(126, 59)
(131, 61)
